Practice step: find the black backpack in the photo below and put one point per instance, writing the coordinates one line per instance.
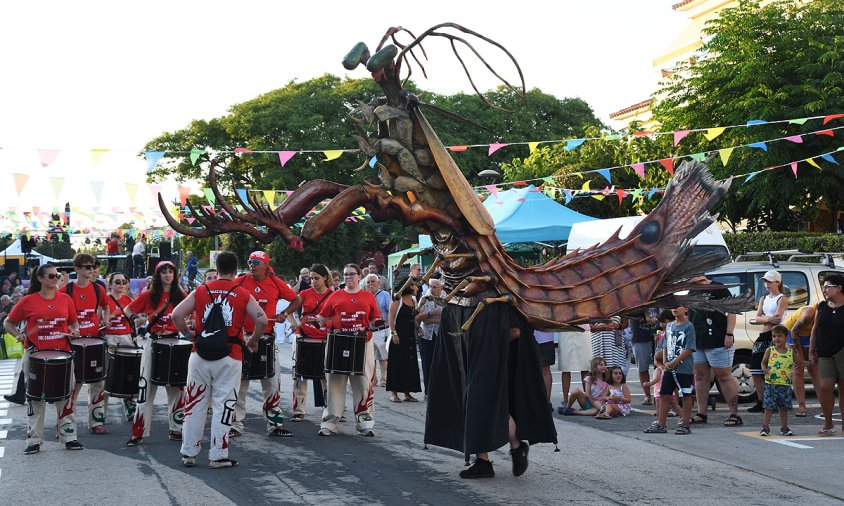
(213, 342)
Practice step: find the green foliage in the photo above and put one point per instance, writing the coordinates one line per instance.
(55, 249)
(780, 61)
(743, 242)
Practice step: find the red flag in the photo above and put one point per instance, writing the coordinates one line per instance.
(668, 163)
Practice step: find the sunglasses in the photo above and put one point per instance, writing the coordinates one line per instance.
(254, 262)
(120, 282)
(53, 276)
(88, 267)
(350, 274)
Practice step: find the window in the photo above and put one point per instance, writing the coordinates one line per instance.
(730, 279)
(795, 287)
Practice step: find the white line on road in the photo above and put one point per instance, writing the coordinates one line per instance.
(789, 443)
(2, 450)
(5, 421)
(3, 434)
(4, 413)
(4, 405)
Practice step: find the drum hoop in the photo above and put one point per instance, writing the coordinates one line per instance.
(32, 355)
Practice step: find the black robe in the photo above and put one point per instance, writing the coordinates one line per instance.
(480, 378)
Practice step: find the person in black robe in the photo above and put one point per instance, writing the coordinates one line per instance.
(486, 388)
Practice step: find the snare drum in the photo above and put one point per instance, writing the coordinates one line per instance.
(89, 359)
(124, 369)
(261, 364)
(49, 375)
(344, 353)
(310, 358)
(170, 357)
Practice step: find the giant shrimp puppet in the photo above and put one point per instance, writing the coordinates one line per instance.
(489, 295)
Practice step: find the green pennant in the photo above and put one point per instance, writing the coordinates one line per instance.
(613, 137)
(798, 121)
(194, 155)
(698, 157)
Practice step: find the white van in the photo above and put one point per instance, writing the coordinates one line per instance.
(589, 233)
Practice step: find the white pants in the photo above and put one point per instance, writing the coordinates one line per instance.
(363, 391)
(146, 399)
(215, 381)
(300, 389)
(272, 399)
(65, 417)
(129, 405)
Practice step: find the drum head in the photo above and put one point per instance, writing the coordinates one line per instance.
(87, 341)
(172, 341)
(128, 351)
(50, 355)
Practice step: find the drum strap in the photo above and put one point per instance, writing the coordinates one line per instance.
(314, 310)
(131, 323)
(158, 315)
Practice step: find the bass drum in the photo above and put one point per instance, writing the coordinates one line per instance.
(124, 370)
(49, 375)
(170, 356)
(344, 353)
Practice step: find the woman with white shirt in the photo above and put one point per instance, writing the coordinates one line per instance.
(770, 312)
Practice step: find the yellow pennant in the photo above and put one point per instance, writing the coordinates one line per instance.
(725, 154)
(532, 146)
(598, 196)
(332, 154)
(270, 196)
(811, 161)
(97, 155)
(712, 133)
(585, 187)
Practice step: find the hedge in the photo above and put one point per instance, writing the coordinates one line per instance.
(806, 242)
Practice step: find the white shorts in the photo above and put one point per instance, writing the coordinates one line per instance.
(379, 340)
(575, 351)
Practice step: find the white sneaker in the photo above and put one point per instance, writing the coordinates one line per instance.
(188, 461)
(324, 432)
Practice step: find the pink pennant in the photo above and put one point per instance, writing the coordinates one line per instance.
(831, 117)
(493, 190)
(643, 133)
(826, 132)
(285, 156)
(184, 191)
(191, 220)
(668, 163)
(678, 136)
(519, 183)
(241, 150)
(495, 147)
(797, 139)
(48, 156)
(639, 168)
(794, 169)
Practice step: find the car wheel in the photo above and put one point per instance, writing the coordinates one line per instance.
(743, 378)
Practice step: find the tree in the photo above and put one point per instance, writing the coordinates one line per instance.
(776, 62)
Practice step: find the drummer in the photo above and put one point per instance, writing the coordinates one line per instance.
(50, 318)
(119, 331)
(262, 283)
(312, 300)
(156, 305)
(350, 311)
(91, 304)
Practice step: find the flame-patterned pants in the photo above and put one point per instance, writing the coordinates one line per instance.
(146, 399)
(114, 341)
(66, 419)
(96, 402)
(272, 399)
(363, 392)
(215, 381)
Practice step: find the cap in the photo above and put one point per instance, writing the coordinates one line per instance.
(260, 256)
(772, 276)
(165, 263)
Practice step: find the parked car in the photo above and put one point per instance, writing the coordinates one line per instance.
(801, 285)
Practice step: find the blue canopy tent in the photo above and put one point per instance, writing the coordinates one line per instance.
(528, 215)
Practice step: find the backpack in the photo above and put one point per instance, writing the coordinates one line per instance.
(213, 342)
(69, 290)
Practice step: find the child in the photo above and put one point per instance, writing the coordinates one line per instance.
(680, 343)
(778, 365)
(595, 384)
(617, 398)
(656, 381)
(665, 317)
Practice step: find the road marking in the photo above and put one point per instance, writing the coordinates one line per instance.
(5, 421)
(5, 391)
(2, 450)
(792, 441)
(834, 419)
(3, 434)
(4, 413)
(4, 405)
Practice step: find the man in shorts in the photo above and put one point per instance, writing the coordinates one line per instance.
(644, 330)
(381, 333)
(547, 357)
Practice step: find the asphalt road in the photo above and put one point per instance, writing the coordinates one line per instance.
(600, 461)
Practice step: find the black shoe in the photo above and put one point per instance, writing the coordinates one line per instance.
(520, 458)
(135, 441)
(480, 469)
(757, 408)
(29, 450)
(16, 399)
(74, 445)
(281, 432)
(175, 435)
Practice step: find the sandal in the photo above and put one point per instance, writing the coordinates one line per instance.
(603, 416)
(648, 402)
(700, 418)
(656, 428)
(733, 421)
(683, 430)
(801, 413)
(395, 399)
(826, 432)
(410, 399)
(298, 418)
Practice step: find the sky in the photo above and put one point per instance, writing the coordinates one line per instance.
(114, 75)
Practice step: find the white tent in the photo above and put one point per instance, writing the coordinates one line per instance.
(14, 251)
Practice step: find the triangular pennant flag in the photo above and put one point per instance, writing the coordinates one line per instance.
(57, 183)
(97, 186)
(759, 145)
(827, 119)
(826, 132)
(184, 192)
(372, 162)
(285, 156)
(238, 151)
(532, 146)
(549, 180)
(493, 190)
(725, 154)
(154, 189)
(612, 137)
(678, 136)
(698, 157)
(332, 154)
(209, 195)
(132, 191)
(191, 220)
(712, 133)
(270, 196)
(668, 163)
(756, 122)
(585, 187)
(195, 154)
(652, 193)
(794, 169)
(457, 149)
(549, 191)
(573, 143)
(97, 155)
(621, 194)
(798, 121)
(639, 168)
(495, 147)
(813, 163)
(48, 156)
(606, 174)
(749, 177)
(635, 194)
(642, 133)
(152, 158)
(209, 209)
(829, 158)
(797, 139)
(598, 196)
(519, 183)
(242, 194)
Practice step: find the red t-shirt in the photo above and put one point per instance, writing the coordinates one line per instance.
(111, 247)
(164, 325)
(234, 309)
(46, 320)
(118, 324)
(350, 312)
(267, 292)
(85, 302)
(310, 303)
